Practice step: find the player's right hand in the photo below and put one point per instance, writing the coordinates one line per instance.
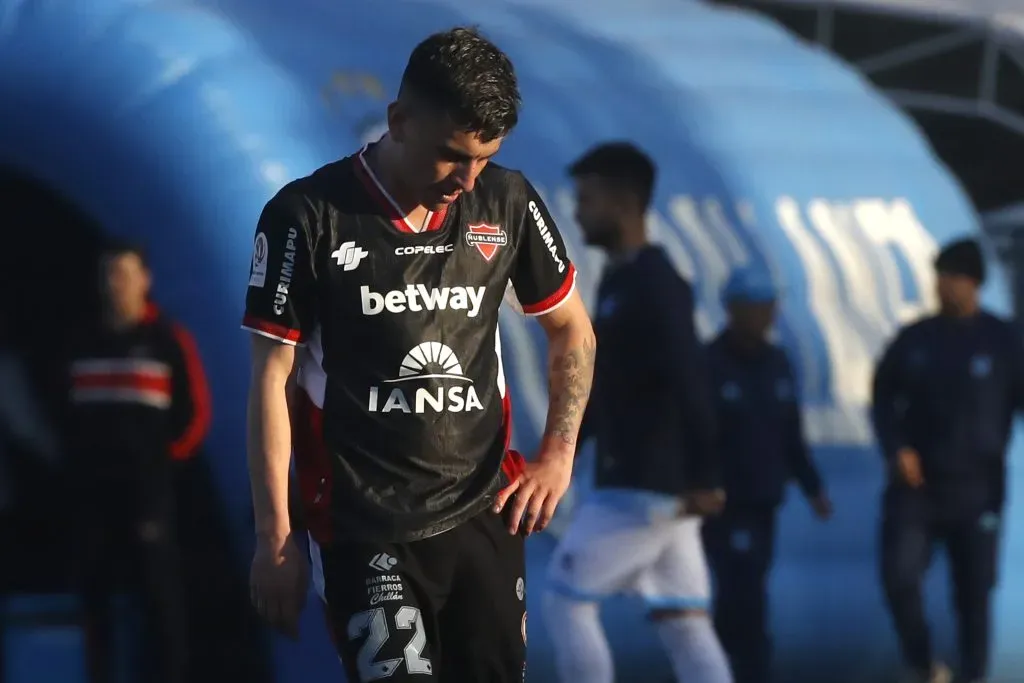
(536, 492)
(908, 463)
(703, 503)
(278, 582)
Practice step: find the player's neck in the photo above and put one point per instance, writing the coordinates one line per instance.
(119, 321)
(383, 162)
(960, 310)
(631, 240)
(745, 344)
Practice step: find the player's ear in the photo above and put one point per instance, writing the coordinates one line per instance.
(398, 119)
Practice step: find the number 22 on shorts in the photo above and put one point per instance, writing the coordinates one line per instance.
(373, 624)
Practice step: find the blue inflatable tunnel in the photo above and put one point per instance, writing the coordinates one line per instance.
(173, 122)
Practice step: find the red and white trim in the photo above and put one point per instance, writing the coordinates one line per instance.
(187, 443)
(316, 562)
(280, 333)
(121, 380)
(312, 459)
(400, 220)
(559, 297)
(512, 462)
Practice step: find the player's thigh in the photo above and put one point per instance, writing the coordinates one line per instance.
(382, 602)
(483, 624)
(602, 553)
(973, 550)
(907, 542)
(740, 546)
(678, 579)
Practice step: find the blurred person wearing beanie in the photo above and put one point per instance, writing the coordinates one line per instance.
(652, 417)
(762, 448)
(944, 397)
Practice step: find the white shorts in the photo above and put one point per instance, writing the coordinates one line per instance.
(608, 551)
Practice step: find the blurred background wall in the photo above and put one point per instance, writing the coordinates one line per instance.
(174, 122)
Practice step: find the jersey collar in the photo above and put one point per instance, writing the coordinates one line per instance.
(383, 198)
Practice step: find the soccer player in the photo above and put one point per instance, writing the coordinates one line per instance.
(762, 447)
(388, 269)
(652, 416)
(139, 402)
(945, 392)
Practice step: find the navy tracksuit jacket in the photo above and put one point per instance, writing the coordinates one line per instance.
(650, 409)
(947, 388)
(761, 448)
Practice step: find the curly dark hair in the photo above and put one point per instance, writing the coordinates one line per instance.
(464, 75)
(622, 164)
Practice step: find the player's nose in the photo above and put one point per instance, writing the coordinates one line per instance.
(466, 174)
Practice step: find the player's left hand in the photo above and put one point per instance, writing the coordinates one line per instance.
(537, 491)
(822, 506)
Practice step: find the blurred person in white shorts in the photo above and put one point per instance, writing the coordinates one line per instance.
(652, 414)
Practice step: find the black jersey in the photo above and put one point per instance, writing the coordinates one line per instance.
(401, 424)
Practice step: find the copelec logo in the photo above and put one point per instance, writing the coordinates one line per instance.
(425, 249)
(442, 386)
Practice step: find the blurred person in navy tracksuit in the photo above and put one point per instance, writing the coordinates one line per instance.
(139, 402)
(761, 447)
(945, 392)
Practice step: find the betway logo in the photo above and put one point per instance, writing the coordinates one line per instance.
(417, 298)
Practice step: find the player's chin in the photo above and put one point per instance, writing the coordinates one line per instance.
(441, 201)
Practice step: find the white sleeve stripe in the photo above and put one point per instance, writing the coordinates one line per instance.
(557, 304)
(262, 333)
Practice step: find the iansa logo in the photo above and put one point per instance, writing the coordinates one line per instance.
(486, 238)
(435, 365)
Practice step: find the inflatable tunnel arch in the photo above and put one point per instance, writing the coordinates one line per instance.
(173, 123)
(153, 123)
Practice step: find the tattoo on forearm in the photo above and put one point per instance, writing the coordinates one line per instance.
(571, 374)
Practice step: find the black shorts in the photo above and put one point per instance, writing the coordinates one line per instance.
(449, 608)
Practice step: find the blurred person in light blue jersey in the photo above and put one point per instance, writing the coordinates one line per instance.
(761, 446)
(945, 394)
(653, 419)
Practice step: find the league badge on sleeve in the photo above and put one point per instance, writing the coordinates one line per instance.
(486, 238)
(258, 276)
